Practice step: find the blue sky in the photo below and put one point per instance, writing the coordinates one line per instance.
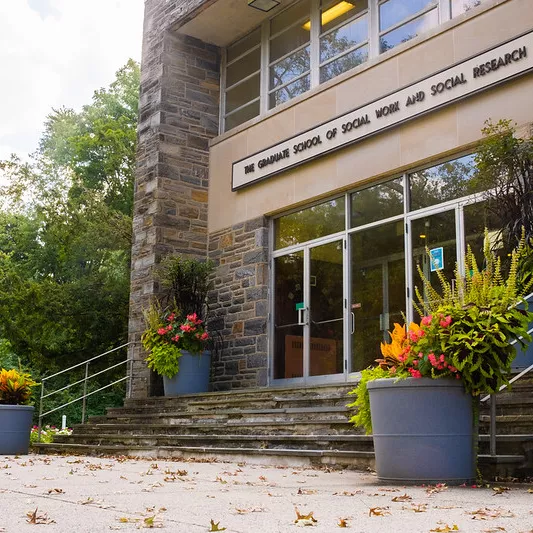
(56, 53)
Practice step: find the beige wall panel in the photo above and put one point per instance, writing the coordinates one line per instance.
(269, 195)
(319, 109)
(512, 100)
(271, 130)
(225, 207)
(435, 133)
(425, 59)
(367, 86)
(491, 28)
(373, 157)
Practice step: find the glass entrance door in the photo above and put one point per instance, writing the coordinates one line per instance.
(309, 313)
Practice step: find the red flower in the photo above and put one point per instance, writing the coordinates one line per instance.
(162, 331)
(445, 322)
(204, 336)
(426, 321)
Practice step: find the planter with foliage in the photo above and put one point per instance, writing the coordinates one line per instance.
(15, 413)
(176, 338)
(463, 338)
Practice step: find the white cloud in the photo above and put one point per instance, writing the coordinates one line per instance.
(58, 54)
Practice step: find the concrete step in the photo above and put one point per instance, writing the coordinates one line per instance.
(279, 456)
(508, 424)
(264, 442)
(301, 427)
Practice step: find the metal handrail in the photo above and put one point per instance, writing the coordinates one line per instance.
(492, 431)
(87, 377)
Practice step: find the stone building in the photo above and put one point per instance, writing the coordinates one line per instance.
(313, 151)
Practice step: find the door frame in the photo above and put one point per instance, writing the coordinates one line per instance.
(307, 379)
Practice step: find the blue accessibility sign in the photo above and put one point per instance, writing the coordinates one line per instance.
(437, 259)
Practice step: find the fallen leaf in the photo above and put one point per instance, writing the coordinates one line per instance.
(346, 493)
(214, 527)
(305, 491)
(402, 498)
(56, 491)
(220, 480)
(489, 514)
(439, 487)
(445, 529)
(304, 519)
(342, 522)
(416, 507)
(250, 510)
(494, 529)
(35, 518)
(87, 501)
(150, 522)
(378, 511)
(500, 490)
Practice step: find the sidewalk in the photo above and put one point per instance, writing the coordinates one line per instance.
(90, 494)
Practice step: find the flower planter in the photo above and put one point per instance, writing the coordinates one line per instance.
(193, 375)
(423, 430)
(15, 424)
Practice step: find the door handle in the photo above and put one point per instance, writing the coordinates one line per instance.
(353, 322)
(302, 316)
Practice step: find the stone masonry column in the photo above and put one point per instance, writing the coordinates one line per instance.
(178, 115)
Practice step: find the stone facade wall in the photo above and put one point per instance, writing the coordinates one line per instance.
(239, 304)
(179, 110)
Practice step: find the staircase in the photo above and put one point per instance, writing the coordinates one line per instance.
(289, 426)
(296, 426)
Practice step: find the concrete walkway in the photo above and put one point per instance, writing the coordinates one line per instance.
(89, 494)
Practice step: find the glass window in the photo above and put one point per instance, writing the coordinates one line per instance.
(343, 38)
(290, 91)
(462, 6)
(334, 13)
(289, 68)
(392, 12)
(244, 45)
(344, 63)
(308, 224)
(242, 68)
(288, 41)
(244, 114)
(377, 203)
(289, 17)
(242, 93)
(409, 31)
(447, 181)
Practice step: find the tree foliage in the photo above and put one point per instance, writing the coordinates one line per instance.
(65, 233)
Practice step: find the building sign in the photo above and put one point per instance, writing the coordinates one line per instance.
(437, 259)
(464, 79)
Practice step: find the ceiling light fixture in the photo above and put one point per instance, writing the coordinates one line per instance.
(263, 5)
(331, 14)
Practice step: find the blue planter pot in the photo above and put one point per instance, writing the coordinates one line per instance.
(15, 424)
(193, 375)
(423, 431)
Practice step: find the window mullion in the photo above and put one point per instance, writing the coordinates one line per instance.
(315, 42)
(222, 110)
(445, 10)
(373, 29)
(265, 74)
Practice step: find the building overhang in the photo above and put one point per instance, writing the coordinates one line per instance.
(222, 22)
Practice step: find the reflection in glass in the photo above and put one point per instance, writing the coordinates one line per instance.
(290, 67)
(447, 181)
(287, 41)
(462, 6)
(244, 114)
(394, 11)
(290, 91)
(244, 44)
(288, 297)
(290, 17)
(343, 38)
(378, 289)
(432, 233)
(242, 93)
(336, 12)
(409, 31)
(378, 202)
(311, 223)
(243, 67)
(343, 64)
(326, 310)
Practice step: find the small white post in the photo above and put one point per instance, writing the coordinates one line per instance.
(63, 422)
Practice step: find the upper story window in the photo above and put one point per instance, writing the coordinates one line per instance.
(312, 41)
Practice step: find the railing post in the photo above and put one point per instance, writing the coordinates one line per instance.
(84, 402)
(493, 425)
(40, 412)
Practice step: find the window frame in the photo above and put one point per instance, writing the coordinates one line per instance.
(443, 9)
